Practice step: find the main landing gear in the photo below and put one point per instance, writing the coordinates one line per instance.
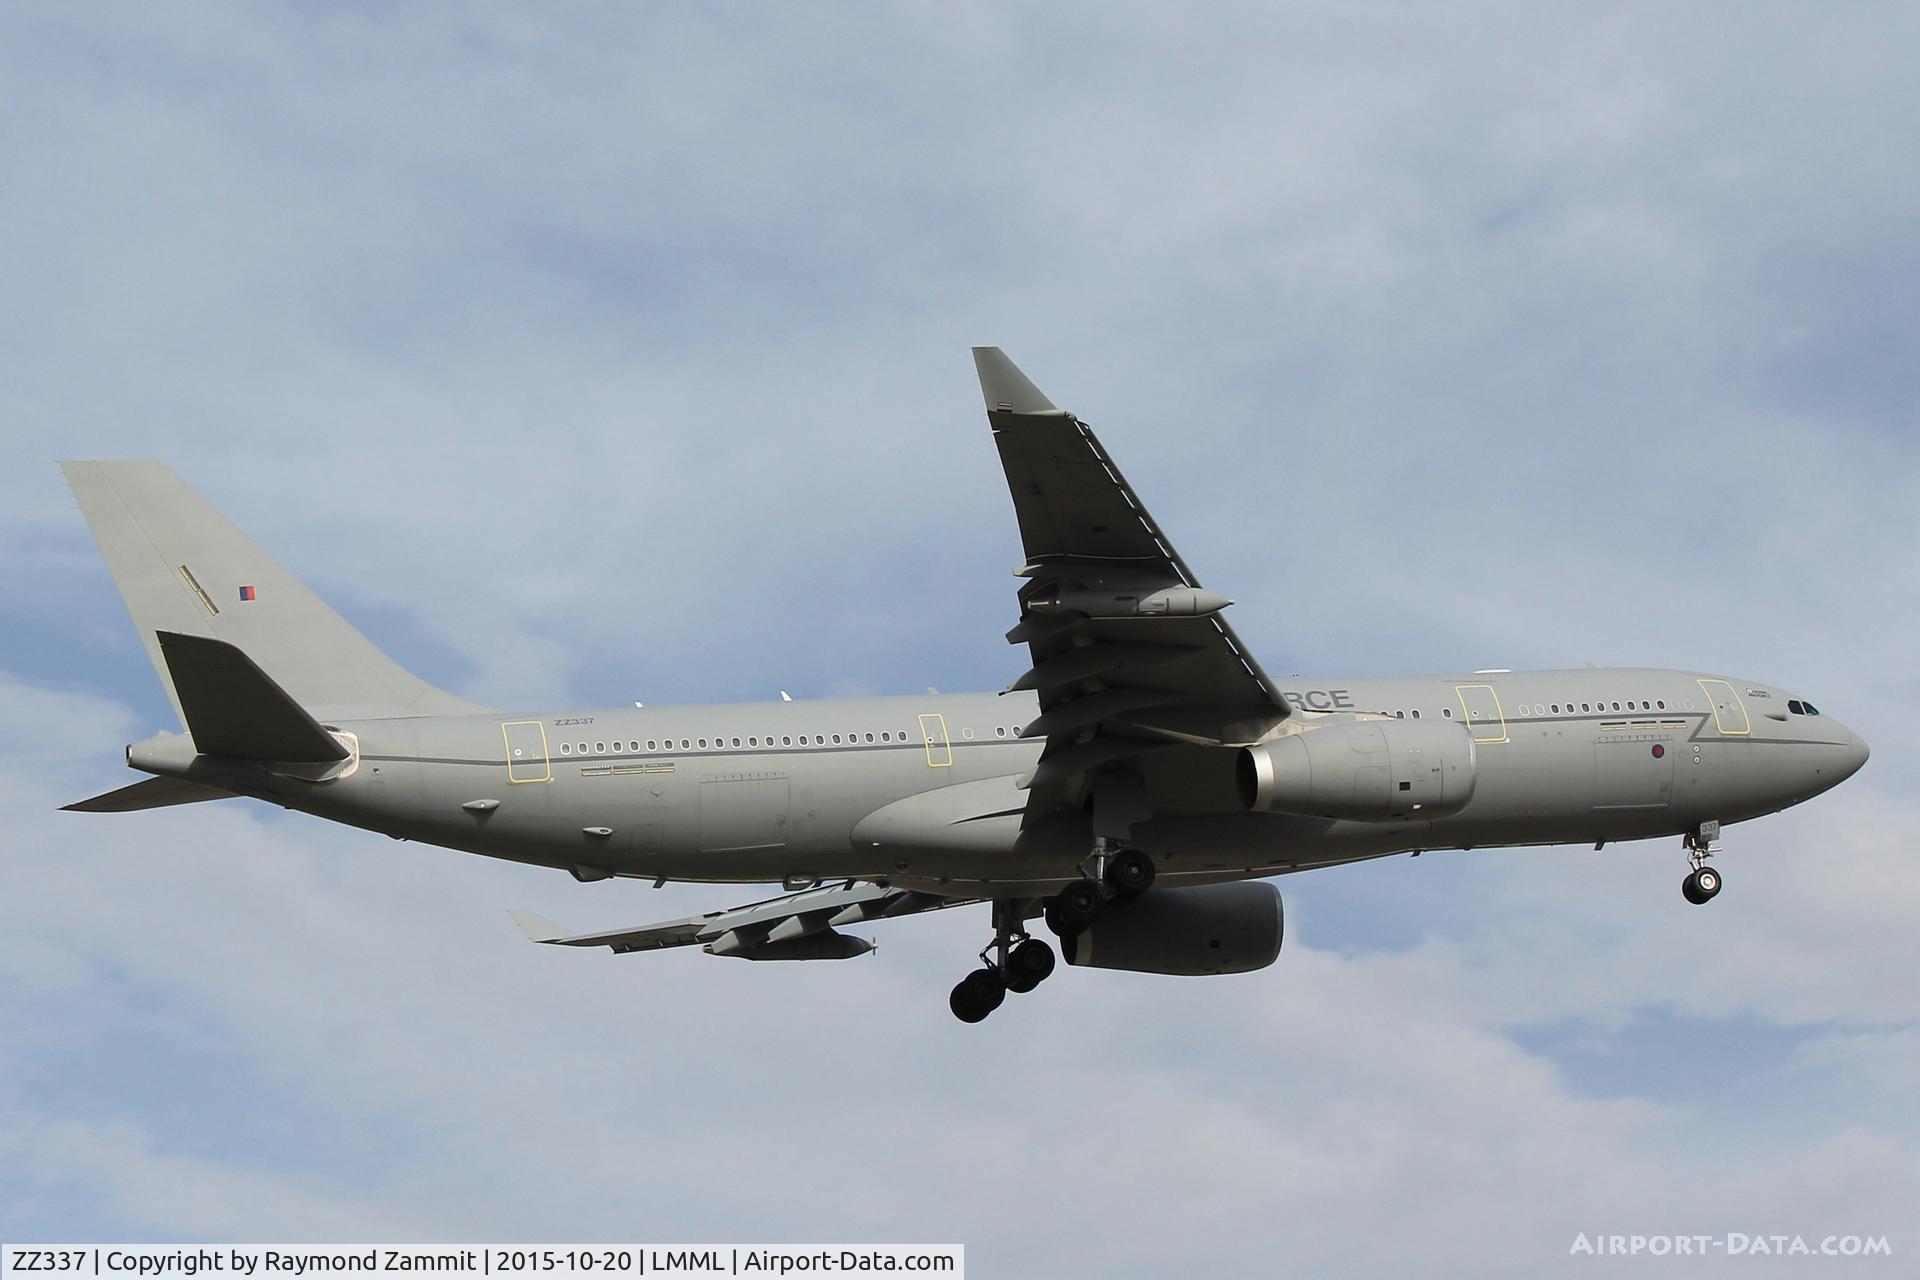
(1110, 876)
(1018, 962)
(1703, 882)
(1014, 961)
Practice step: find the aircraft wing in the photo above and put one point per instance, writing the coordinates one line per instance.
(799, 926)
(1129, 651)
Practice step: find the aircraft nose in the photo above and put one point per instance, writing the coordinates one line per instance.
(1857, 753)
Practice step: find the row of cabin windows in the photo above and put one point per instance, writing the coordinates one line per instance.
(786, 740)
(1554, 708)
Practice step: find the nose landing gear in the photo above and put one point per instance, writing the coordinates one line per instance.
(1703, 882)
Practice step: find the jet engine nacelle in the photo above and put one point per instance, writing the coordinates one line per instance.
(1364, 770)
(1213, 928)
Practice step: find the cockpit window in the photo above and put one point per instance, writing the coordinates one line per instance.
(1793, 705)
(1811, 709)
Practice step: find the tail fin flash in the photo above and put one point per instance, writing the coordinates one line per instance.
(183, 568)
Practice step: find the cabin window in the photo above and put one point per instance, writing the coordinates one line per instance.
(1416, 713)
(1447, 712)
(1000, 731)
(1662, 704)
(566, 749)
(703, 744)
(836, 739)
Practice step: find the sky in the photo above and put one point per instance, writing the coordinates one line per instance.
(590, 353)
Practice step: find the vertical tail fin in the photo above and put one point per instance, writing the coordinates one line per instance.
(183, 567)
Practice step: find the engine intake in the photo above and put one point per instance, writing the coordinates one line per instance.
(1189, 931)
(1364, 770)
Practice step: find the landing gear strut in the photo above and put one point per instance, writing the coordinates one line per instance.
(1018, 962)
(1110, 876)
(1703, 882)
(1014, 961)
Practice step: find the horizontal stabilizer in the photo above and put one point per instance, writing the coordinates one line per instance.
(154, 793)
(233, 708)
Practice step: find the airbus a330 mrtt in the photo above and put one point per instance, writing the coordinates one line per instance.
(1135, 786)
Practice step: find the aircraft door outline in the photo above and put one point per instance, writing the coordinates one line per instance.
(1486, 718)
(1728, 709)
(933, 735)
(527, 757)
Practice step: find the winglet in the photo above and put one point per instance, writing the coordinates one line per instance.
(537, 928)
(1006, 389)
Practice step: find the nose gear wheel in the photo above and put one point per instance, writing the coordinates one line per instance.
(1703, 882)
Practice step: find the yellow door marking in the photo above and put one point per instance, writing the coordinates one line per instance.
(1484, 727)
(1735, 712)
(933, 733)
(523, 763)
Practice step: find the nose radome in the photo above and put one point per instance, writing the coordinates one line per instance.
(1858, 754)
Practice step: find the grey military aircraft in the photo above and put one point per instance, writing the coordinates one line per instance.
(1135, 786)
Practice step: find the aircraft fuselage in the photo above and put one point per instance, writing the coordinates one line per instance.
(925, 790)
